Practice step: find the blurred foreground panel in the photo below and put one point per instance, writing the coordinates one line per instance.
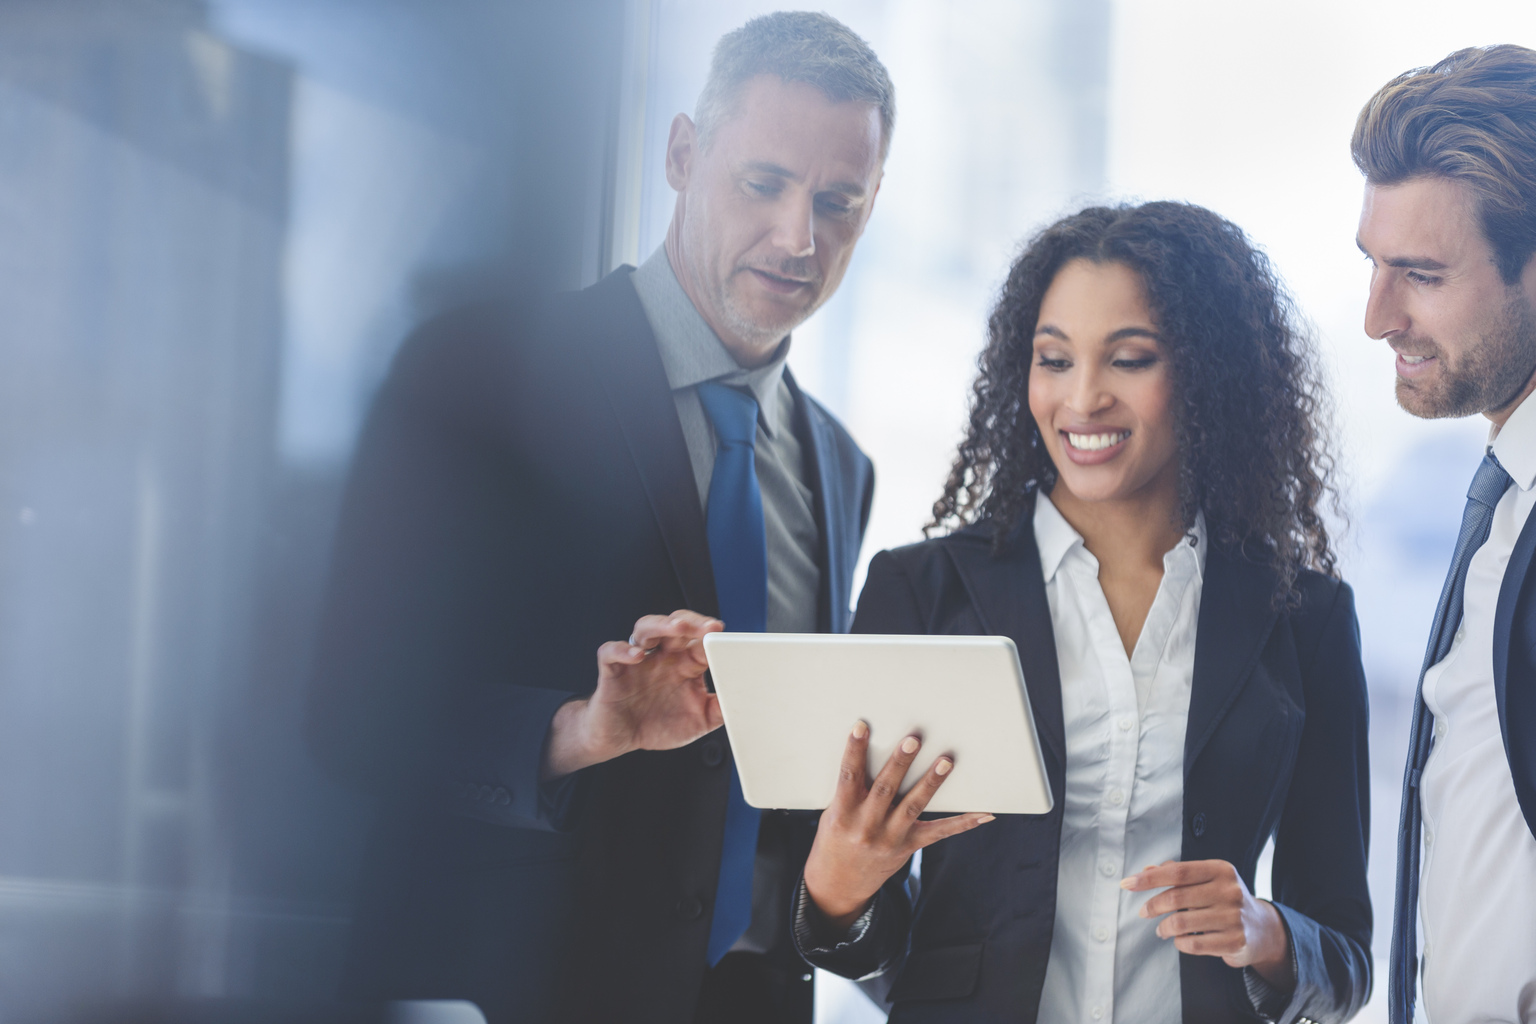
(143, 194)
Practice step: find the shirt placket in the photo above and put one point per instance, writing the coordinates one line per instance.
(1114, 798)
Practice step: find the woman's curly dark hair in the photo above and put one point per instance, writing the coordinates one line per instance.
(1250, 407)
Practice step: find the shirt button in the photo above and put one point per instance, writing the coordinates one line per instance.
(1428, 838)
(1098, 1013)
(1101, 934)
(1107, 869)
(1116, 797)
(1125, 724)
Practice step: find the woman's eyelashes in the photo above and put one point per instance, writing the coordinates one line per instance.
(1060, 363)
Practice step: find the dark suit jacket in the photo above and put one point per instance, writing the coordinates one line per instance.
(522, 494)
(1514, 668)
(1276, 745)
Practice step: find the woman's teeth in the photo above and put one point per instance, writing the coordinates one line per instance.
(1096, 442)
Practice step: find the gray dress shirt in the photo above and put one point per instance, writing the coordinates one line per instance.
(692, 355)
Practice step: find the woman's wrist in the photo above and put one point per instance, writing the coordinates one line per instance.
(837, 911)
(1275, 965)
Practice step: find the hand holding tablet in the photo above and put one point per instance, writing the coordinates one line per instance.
(789, 699)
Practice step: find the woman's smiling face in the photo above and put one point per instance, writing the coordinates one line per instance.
(1100, 388)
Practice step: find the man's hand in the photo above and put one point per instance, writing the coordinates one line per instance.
(1212, 913)
(650, 696)
(867, 834)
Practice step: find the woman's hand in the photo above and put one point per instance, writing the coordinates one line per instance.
(1212, 913)
(866, 835)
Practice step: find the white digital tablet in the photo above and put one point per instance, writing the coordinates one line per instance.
(790, 701)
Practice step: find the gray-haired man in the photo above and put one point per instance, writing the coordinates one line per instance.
(536, 482)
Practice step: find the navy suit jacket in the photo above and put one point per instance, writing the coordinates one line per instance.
(1276, 746)
(523, 493)
(1514, 668)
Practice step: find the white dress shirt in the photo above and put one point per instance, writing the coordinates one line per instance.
(1477, 889)
(1125, 720)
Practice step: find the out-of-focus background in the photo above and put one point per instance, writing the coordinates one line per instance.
(218, 219)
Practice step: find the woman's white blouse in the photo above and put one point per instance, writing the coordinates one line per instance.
(1125, 720)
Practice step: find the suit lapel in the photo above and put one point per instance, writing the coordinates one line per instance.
(1515, 572)
(1236, 618)
(827, 479)
(1008, 595)
(622, 351)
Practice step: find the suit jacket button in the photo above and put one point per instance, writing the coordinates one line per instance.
(503, 797)
(689, 908)
(712, 754)
(1198, 826)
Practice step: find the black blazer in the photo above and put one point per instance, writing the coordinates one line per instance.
(1514, 668)
(522, 494)
(1514, 688)
(1276, 745)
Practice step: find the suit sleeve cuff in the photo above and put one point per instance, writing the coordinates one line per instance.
(496, 774)
(1269, 1001)
(815, 937)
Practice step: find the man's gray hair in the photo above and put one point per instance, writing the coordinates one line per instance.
(797, 46)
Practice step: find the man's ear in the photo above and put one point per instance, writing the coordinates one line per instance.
(682, 149)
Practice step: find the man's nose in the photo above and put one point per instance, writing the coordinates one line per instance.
(794, 229)
(1384, 312)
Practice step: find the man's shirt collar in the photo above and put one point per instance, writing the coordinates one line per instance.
(1514, 445)
(690, 351)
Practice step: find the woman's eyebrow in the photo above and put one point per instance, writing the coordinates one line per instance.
(1134, 332)
(1050, 330)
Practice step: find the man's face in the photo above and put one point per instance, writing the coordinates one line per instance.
(1465, 341)
(768, 213)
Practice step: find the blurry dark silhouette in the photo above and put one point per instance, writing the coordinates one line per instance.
(165, 833)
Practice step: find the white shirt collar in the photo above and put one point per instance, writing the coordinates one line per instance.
(1514, 445)
(1056, 539)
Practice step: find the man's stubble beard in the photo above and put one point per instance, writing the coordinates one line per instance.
(753, 331)
(1489, 377)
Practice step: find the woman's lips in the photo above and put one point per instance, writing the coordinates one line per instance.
(1097, 447)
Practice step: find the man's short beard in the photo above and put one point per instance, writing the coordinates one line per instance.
(1490, 376)
(761, 335)
(754, 332)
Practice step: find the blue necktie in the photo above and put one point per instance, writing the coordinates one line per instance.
(738, 551)
(1488, 486)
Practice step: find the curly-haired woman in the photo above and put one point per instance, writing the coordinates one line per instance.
(1137, 502)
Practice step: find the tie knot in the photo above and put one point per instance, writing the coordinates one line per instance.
(732, 411)
(1489, 483)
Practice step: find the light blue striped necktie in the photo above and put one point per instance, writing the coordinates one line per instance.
(738, 550)
(1488, 486)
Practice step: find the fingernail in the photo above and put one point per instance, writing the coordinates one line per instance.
(1142, 912)
(943, 767)
(986, 818)
(910, 745)
(1129, 883)
(860, 730)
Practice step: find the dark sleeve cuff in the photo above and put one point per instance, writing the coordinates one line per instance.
(816, 937)
(1270, 1002)
(496, 770)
